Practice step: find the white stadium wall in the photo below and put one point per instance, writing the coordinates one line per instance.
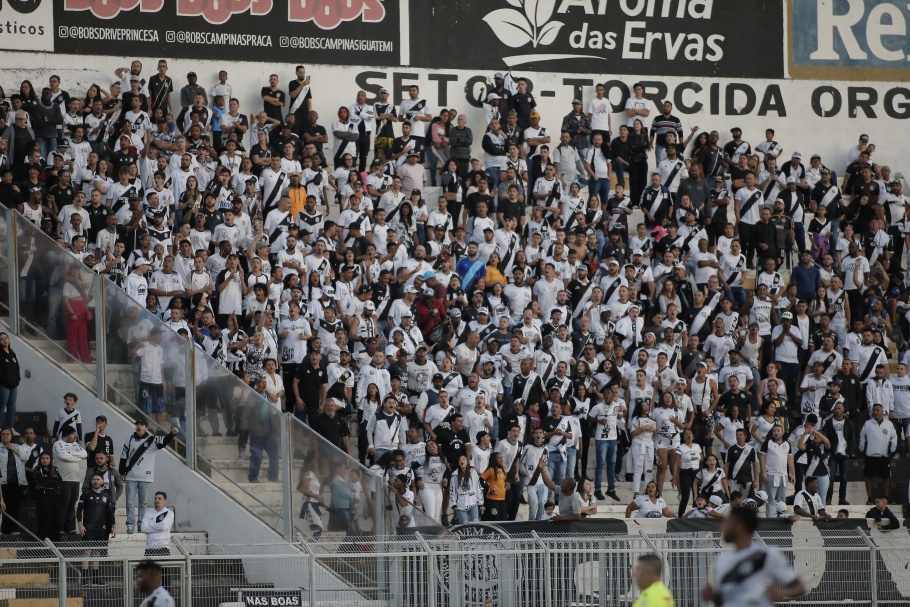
(808, 116)
(819, 72)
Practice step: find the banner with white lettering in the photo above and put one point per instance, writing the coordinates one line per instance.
(352, 32)
(662, 37)
(849, 40)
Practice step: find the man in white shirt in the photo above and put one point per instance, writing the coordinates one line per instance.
(157, 524)
(639, 108)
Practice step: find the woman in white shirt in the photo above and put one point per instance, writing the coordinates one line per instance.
(712, 480)
(274, 385)
(688, 462)
(642, 429)
(763, 423)
(649, 504)
(464, 492)
(430, 473)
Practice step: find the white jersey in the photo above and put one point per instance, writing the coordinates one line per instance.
(742, 577)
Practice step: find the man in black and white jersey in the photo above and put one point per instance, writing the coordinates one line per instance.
(753, 575)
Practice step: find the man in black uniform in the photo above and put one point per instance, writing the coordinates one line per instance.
(95, 517)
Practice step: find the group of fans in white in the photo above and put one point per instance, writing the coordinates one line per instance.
(495, 345)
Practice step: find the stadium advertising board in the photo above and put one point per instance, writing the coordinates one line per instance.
(667, 37)
(849, 39)
(27, 24)
(352, 32)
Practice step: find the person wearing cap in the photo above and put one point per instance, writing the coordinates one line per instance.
(535, 135)
(736, 148)
(796, 169)
(577, 124)
(386, 115)
(861, 145)
(136, 285)
(137, 467)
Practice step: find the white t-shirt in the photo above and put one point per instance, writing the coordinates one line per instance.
(640, 104)
(649, 509)
(742, 577)
(600, 114)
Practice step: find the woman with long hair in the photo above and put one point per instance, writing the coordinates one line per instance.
(494, 274)
(92, 95)
(668, 296)
(494, 505)
(310, 485)
(190, 200)
(669, 425)
(350, 182)
(102, 180)
(10, 376)
(366, 409)
(75, 296)
(346, 136)
(48, 485)
(274, 384)
(439, 136)
(430, 474)
(464, 492)
(608, 377)
(711, 480)
(649, 504)
(642, 430)
(405, 225)
(28, 94)
(638, 159)
(452, 185)
(763, 423)
(585, 495)
(4, 102)
(688, 462)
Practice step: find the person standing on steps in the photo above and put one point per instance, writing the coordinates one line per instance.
(69, 454)
(9, 382)
(137, 467)
(157, 524)
(95, 517)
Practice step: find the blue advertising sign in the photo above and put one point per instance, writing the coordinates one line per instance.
(849, 39)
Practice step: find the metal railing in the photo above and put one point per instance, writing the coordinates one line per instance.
(487, 568)
(225, 427)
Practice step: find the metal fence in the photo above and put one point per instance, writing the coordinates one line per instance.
(480, 566)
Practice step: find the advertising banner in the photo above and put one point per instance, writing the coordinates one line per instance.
(703, 38)
(348, 32)
(849, 40)
(27, 24)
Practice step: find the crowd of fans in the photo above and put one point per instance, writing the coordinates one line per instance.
(519, 334)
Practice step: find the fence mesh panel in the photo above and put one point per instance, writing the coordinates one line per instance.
(477, 567)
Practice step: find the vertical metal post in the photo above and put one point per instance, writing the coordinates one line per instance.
(873, 565)
(100, 337)
(189, 369)
(287, 473)
(547, 571)
(12, 254)
(127, 582)
(431, 570)
(61, 572)
(186, 584)
(312, 572)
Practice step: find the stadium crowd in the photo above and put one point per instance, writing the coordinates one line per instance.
(519, 335)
